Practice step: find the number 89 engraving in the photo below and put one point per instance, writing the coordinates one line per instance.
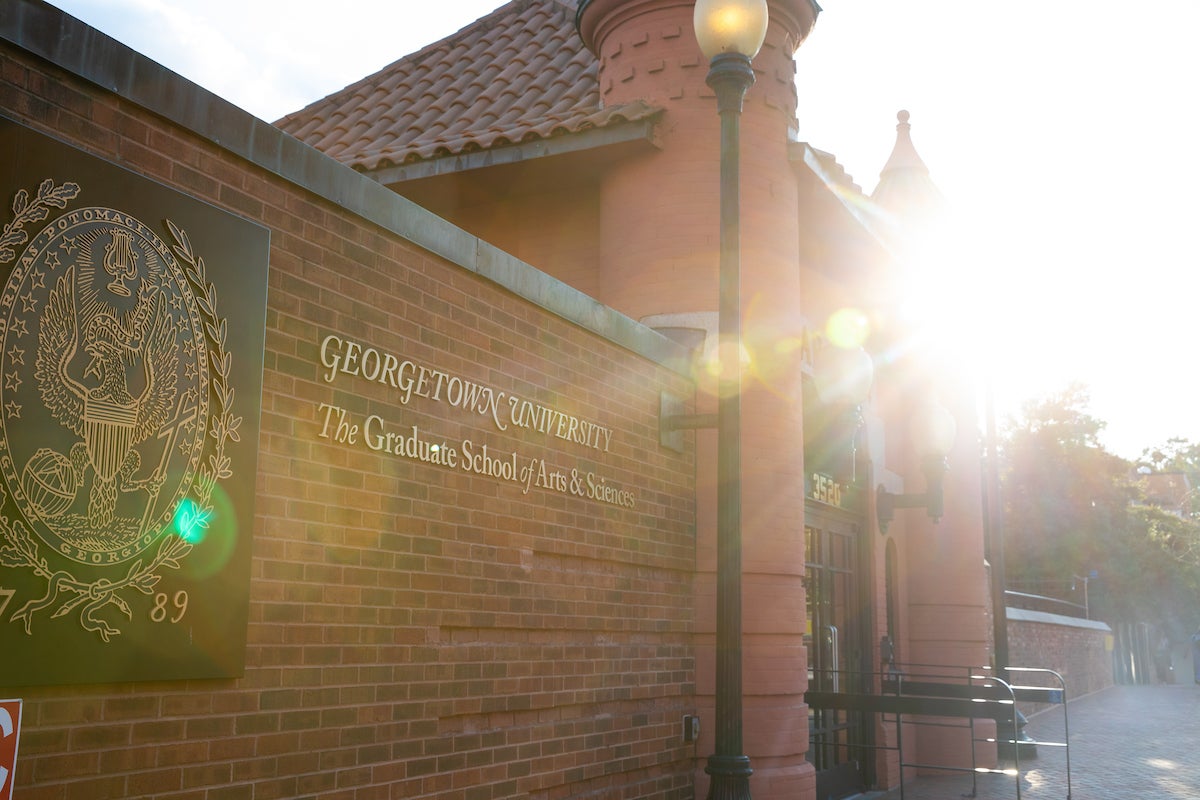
(160, 611)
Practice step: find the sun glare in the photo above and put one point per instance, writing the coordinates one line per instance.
(1000, 309)
(956, 300)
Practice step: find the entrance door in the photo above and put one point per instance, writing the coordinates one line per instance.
(836, 649)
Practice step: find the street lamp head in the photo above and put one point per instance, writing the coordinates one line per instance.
(730, 26)
(933, 430)
(843, 375)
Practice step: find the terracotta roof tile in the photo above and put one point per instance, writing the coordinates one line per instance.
(517, 74)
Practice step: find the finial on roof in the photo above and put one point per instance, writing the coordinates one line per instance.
(904, 154)
(904, 183)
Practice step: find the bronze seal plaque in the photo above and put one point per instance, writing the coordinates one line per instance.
(129, 391)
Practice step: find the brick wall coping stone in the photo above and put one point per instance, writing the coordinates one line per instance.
(69, 44)
(1025, 615)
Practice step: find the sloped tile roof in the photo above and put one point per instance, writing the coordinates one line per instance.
(518, 74)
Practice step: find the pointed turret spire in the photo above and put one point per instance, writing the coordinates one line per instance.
(905, 188)
(904, 155)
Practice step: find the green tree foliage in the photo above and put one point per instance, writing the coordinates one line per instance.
(1175, 455)
(1072, 509)
(1065, 495)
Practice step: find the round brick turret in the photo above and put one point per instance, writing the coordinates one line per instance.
(648, 51)
(659, 212)
(659, 260)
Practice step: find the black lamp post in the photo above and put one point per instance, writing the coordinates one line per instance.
(730, 33)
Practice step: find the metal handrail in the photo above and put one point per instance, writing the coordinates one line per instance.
(941, 691)
(1062, 687)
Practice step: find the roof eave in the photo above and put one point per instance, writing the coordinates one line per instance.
(803, 156)
(619, 136)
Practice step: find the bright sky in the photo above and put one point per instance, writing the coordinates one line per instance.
(1065, 133)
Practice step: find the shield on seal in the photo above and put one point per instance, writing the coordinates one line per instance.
(108, 432)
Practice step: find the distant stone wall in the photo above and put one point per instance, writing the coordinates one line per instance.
(1078, 649)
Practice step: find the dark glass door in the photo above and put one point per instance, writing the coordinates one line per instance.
(835, 642)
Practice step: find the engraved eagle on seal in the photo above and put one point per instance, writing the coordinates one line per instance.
(107, 415)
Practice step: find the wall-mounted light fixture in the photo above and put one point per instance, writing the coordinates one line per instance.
(841, 380)
(933, 431)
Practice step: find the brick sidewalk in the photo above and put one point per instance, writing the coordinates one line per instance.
(1126, 742)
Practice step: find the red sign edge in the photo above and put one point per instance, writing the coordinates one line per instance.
(7, 785)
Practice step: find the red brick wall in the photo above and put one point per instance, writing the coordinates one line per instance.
(415, 631)
(1079, 650)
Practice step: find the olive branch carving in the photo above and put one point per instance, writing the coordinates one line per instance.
(48, 196)
(224, 424)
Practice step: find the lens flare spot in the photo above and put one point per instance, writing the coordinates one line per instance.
(212, 531)
(191, 522)
(847, 327)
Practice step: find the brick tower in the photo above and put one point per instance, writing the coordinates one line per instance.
(946, 604)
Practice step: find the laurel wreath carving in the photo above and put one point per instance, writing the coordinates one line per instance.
(64, 591)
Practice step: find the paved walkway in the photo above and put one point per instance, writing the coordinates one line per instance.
(1127, 742)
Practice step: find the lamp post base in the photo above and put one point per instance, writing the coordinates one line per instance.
(730, 777)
